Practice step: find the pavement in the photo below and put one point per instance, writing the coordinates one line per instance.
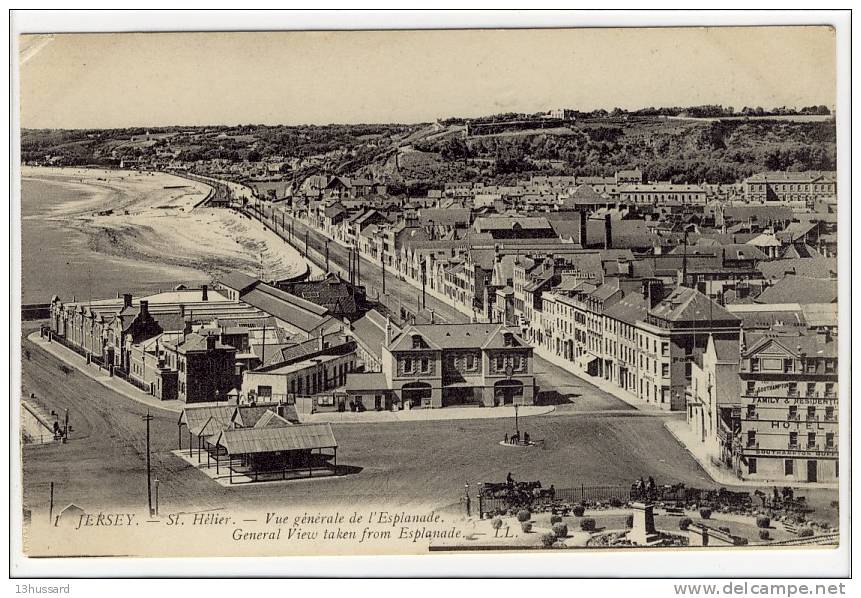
(448, 413)
(101, 376)
(604, 385)
(686, 437)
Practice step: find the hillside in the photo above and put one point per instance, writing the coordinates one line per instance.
(410, 157)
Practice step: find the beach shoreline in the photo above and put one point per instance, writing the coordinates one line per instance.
(150, 219)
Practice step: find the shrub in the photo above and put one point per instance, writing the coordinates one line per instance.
(560, 530)
(629, 521)
(524, 515)
(526, 526)
(578, 510)
(705, 512)
(763, 521)
(739, 541)
(725, 530)
(587, 524)
(547, 540)
(616, 502)
(684, 523)
(764, 535)
(805, 532)
(555, 519)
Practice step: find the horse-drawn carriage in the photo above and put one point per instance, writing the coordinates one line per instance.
(512, 495)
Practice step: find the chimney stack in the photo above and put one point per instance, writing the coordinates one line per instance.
(205, 291)
(210, 342)
(583, 221)
(144, 308)
(320, 340)
(608, 232)
(388, 330)
(127, 300)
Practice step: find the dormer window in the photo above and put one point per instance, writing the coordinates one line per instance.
(417, 342)
(508, 339)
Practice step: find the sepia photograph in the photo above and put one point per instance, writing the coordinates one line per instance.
(550, 291)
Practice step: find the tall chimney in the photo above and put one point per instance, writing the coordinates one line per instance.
(205, 291)
(144, 308)
(320, 340)
(583, 222)
(388, 330)
(210, 342)
(127, 299)
(608, 232)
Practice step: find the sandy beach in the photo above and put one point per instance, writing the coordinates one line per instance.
(150, 218)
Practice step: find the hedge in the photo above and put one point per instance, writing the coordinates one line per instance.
(560, 530)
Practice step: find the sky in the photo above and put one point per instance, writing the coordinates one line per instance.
(158, 79)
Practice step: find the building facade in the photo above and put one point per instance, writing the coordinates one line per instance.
(788, 423)
(440, 365)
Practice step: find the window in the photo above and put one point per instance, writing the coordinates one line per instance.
(829, 439)
(811, 366)
(665, 370)
(751, 387)
(793, 412)
(754, 365)
(417, 342)
(408, 365)
(793, 440)
(811, 412)
(811, 389)
(665, 349)
(751, 438)
(470, 362)
(425, 365)
(751, 465)
(811, 439)
(830, 365)
(788, 467)
(264, 391)
(829, 389)
(751, 411)
(829, 413)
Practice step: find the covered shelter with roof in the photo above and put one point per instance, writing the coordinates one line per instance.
(272, 452)
(257, 442)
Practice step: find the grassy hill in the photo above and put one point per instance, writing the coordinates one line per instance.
(713, 150)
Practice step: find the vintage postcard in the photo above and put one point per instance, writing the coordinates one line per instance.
(410, 292)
